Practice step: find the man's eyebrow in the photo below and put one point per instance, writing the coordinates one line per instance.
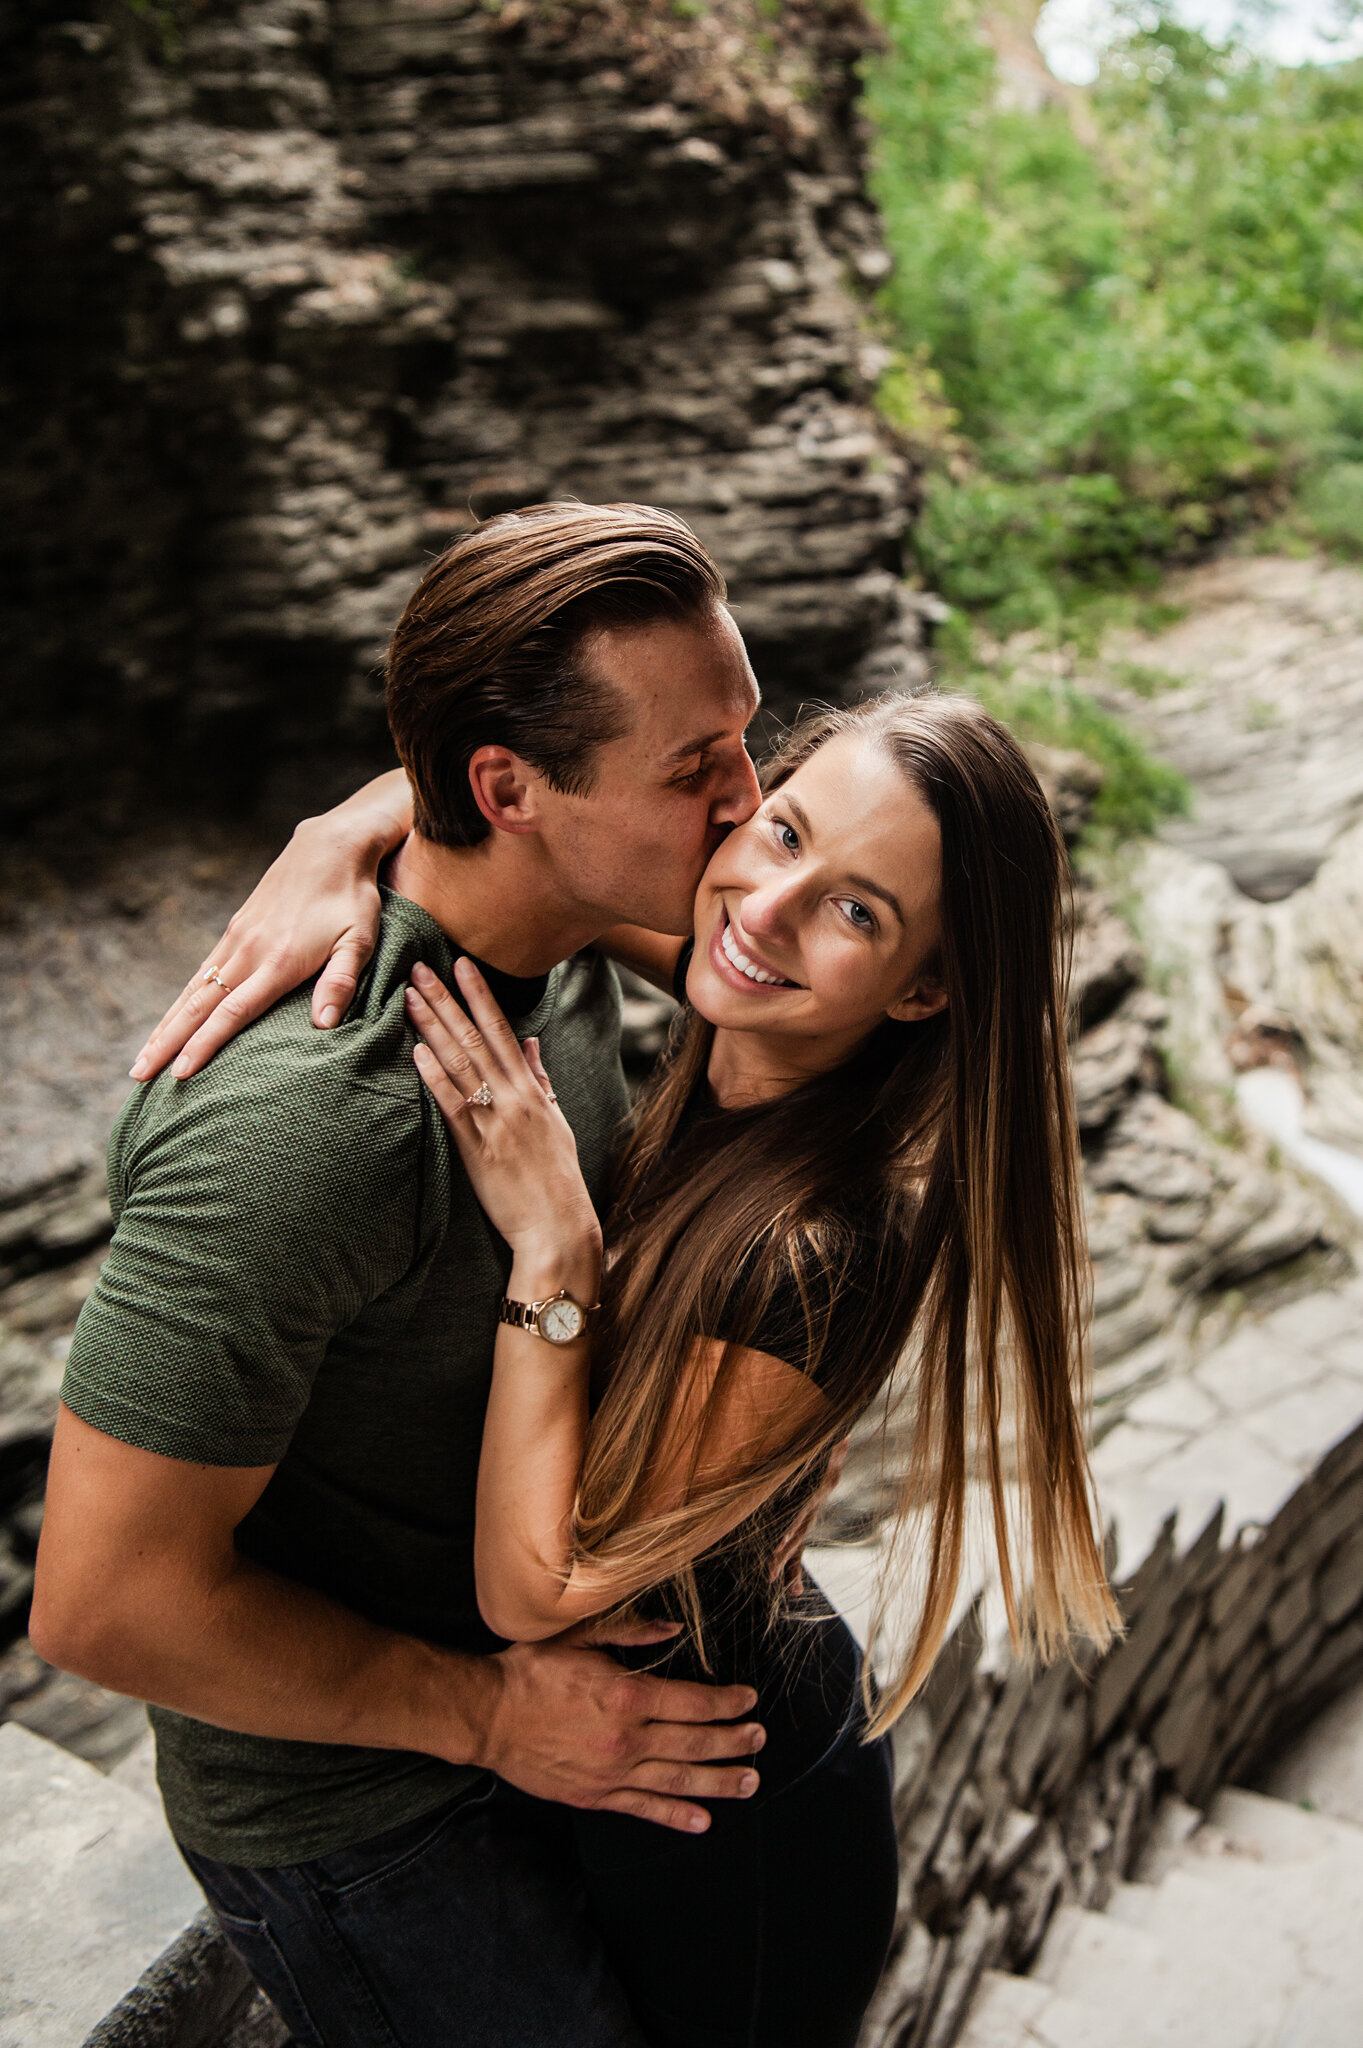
(862, 882)
(693, 747)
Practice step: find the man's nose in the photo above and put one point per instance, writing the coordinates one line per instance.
(739, 795)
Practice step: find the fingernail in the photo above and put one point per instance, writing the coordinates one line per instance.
(421, 972)
(411, 998)
(698, 1823)
(759, 1738)
(749, 1702)
(747, 1784)
(137, 1069)
(331, 1015)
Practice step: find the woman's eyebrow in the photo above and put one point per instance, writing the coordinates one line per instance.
(862, 882)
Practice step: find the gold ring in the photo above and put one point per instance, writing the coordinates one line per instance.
(214, 976)
(481, 1098)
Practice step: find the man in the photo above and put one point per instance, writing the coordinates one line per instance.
(261, 1502)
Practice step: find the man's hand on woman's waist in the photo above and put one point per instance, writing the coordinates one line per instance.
(140, 1587)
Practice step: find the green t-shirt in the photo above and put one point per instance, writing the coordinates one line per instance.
(302, 1276)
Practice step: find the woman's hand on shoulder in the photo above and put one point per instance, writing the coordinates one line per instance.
(316, 906)
(515, 1142)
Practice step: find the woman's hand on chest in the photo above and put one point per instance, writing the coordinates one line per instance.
(499, 1105)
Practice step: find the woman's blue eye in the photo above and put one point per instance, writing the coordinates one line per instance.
(858, 914)
(790, 838)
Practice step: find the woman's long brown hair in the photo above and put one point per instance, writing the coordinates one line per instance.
(956, 1138)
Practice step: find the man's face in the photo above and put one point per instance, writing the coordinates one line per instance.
(667, 791)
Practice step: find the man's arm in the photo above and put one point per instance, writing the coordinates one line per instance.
(141, 1588)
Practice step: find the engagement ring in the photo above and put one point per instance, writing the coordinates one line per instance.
(481, 1098)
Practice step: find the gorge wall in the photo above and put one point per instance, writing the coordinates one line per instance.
(301, 287)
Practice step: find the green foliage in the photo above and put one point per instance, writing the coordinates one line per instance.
(1143, 680)
(1113, 350)
(1138, 792)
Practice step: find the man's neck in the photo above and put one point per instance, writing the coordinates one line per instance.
(495, 900)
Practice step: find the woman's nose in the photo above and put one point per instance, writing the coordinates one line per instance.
(771, 911)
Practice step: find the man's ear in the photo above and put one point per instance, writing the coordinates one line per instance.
(505, 789)
(923, 998)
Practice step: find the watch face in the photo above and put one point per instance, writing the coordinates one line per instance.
(561, 1321)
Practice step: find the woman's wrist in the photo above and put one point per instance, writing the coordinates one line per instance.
(370, 823)
(543, 1266)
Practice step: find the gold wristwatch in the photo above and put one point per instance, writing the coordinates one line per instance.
(559, 1320)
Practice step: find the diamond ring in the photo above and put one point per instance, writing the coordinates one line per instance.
(481, 1098)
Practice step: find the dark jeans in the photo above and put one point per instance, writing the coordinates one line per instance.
(469, 1928)
(769, 1931)
(464, 1929)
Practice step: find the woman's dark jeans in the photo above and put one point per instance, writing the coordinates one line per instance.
(463, 1929)
(770, 1930)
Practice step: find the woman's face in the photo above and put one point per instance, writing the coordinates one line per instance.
(815, 918)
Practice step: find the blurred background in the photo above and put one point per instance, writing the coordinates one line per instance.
(1014, 350)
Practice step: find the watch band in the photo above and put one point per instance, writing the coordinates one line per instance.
(525, 1315)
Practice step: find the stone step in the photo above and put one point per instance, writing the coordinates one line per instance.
(1084, 1954)
(1249, 1938)
(1276, 1832)
(1323, 1767)
(92, 1890)
(1204, 1997)
(1017, 2012)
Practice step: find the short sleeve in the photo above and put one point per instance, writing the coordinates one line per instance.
(814, 1310)
(254, 1222)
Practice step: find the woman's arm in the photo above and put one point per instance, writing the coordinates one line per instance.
(653, 956)
(316, 906)
(522, 1161)
(534, 1442)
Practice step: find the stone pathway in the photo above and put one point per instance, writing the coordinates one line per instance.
(91, 1891)
(1241, 1932)
(1245, 1426)
(1238, 1620)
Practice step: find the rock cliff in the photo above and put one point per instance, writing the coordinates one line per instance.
(301, 287)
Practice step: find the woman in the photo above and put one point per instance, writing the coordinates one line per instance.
(862, 1140)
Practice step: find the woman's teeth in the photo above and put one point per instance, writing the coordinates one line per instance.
(744, 964)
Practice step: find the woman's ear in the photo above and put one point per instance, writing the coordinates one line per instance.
(923, 998)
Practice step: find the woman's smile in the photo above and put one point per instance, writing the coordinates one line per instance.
(738, 965)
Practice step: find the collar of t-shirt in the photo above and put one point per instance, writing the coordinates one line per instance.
(517, 995)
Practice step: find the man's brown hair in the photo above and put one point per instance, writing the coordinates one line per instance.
(490, 650)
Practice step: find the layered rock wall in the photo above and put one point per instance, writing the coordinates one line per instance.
(302, 287)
